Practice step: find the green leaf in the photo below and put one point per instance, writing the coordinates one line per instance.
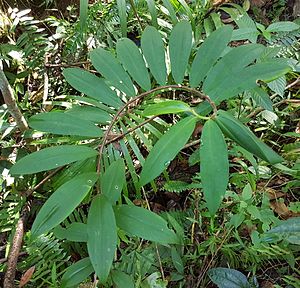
(262, 98)
(208, 54)
(83, 14)
(177, 261)
(64, 124)
(246, 79)
(50, 158)
(214, 169)
(228, 64)
(278, 85)
(282, 26)
(143, 223)
(180, 45)
(291, 225)
(171, 11)
(122, 280)
(102, 236)
(62, 202)
(132, 60)
(89, 113)
(166, 148)
(153, 13)
(235, 130)
(123, 16)
(92, 86)
(112, 70)
(75, 232)
(228, 278)
(77, 273)
(166, 107)
(113, 180)
(154, 52)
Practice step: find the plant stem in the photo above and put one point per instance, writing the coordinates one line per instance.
(10, 101)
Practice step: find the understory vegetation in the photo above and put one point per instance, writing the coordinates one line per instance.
(150, 143)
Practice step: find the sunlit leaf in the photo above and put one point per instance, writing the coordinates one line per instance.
(166, 107)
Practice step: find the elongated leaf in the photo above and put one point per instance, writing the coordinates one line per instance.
(165, 150)
(77, 273)
(166, 107)
(278, 85)
(113, 180)
(62, 202)
(92, 86)
(208, 54)
(262, 98)
(235, 130)
(83, 14)
(180, 45)
(283, 26)
(132, 60)
(123, 16)
(64, 124)
(50, 158)
(291, 225)
(144, 223)
(153, 12)
(171, 11)
(154, 52)
(111, 69)
(245, 79)
(90, 113)
(228, 64)
(214, 169)
(76, 232)
(228, 278)
(102, 236)
(122, 280)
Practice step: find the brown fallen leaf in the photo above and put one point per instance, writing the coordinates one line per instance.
(26, 277)
(267, 284)
(280, 208)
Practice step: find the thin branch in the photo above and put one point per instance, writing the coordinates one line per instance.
(10, 101)
(66, 65)
(43, 181)
(9, 279)
(141, 96)
(258, 110)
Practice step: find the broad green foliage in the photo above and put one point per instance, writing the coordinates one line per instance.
(180, 46)
(115, 126)
(102, 236)
(228, 278)
(214, 168)
(244, 137)
(154, 52)
(50, 158)
(64, 124)
(166, 149)
(145, 224)
(62, 202)
(77, 273)
(92, 86)
(132, 60)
